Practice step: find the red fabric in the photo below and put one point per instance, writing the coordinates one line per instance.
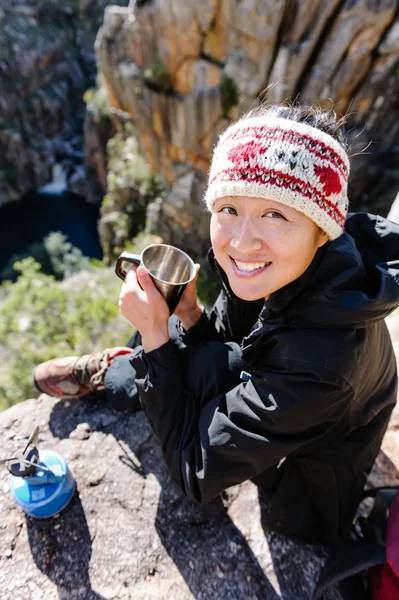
(392, 539)
(320, 149)
(383, 583)
(330, 180)
(281, 180)
(384, 579)
(118, 350)
(292, 163)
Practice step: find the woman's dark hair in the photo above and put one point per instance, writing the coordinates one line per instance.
(324, 120)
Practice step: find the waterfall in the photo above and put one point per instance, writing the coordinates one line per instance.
(394, 212)
(49, 208)
(58, 184)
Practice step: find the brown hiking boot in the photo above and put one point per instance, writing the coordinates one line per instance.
(75, 375)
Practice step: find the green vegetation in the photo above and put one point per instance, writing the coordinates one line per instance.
(56, 255)
(229, 94)
(130, 188)
(157, 73)
(126, 167)
(41, 318)
(67, 307)
(9, 175)
(65, 259)
(208, 287)
(98, 102)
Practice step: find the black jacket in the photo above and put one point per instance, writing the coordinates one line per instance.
(322, 388)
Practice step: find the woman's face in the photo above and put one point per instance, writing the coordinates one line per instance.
(262, 245)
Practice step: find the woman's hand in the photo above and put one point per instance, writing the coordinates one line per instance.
(142, 304)
(188, 309)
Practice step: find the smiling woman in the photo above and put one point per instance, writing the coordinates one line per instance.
(290, 379)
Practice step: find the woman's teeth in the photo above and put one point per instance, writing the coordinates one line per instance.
(250, 266)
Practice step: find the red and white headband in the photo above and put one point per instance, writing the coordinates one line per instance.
(292, 163)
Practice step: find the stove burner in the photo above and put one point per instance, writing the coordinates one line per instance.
(17, 465)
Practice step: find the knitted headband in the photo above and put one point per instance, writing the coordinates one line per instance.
(292, 163)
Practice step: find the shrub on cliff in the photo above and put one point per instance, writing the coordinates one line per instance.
(41, 318)
(130, 188)
(56, 255)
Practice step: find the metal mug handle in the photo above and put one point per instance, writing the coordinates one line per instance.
(135, 259)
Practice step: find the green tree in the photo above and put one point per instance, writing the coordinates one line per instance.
(41, 318)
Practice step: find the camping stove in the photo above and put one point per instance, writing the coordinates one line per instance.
(41, 481)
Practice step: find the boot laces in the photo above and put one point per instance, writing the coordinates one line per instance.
(90, 369)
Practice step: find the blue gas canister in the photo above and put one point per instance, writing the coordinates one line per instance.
(41, 481)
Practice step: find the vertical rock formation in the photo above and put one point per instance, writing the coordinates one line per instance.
(181, 71)
(46, 63)
(40, 81)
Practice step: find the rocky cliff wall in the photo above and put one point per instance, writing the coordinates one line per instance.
(46, 63)
(181, 71)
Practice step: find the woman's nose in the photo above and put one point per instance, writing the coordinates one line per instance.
(246, 237)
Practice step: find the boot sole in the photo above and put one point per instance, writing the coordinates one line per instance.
(34, 382)
(39, 391)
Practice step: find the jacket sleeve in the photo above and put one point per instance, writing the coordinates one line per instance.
(211, 443)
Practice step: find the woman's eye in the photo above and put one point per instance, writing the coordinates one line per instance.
(229, 210)
(276, 215)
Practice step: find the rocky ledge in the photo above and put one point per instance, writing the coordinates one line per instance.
(129, 533)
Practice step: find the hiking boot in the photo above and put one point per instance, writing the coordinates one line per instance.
(75, 376)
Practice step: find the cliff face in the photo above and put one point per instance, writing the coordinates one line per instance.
(46, 63)
(181, 71)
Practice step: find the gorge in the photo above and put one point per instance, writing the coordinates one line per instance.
(25, 223)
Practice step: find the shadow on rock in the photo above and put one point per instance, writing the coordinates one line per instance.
(211, 554)
(68, 414)
(285, 553)
(61, 549)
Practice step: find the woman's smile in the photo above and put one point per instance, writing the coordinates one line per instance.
(249, 269)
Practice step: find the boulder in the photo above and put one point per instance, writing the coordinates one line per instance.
(128, 532)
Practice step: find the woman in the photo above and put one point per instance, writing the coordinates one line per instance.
(291, 378)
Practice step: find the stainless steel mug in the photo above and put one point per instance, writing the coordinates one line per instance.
(170, 268)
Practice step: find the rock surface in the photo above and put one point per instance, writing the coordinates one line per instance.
(128, 532)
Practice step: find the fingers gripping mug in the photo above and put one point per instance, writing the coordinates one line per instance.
(170, 268)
